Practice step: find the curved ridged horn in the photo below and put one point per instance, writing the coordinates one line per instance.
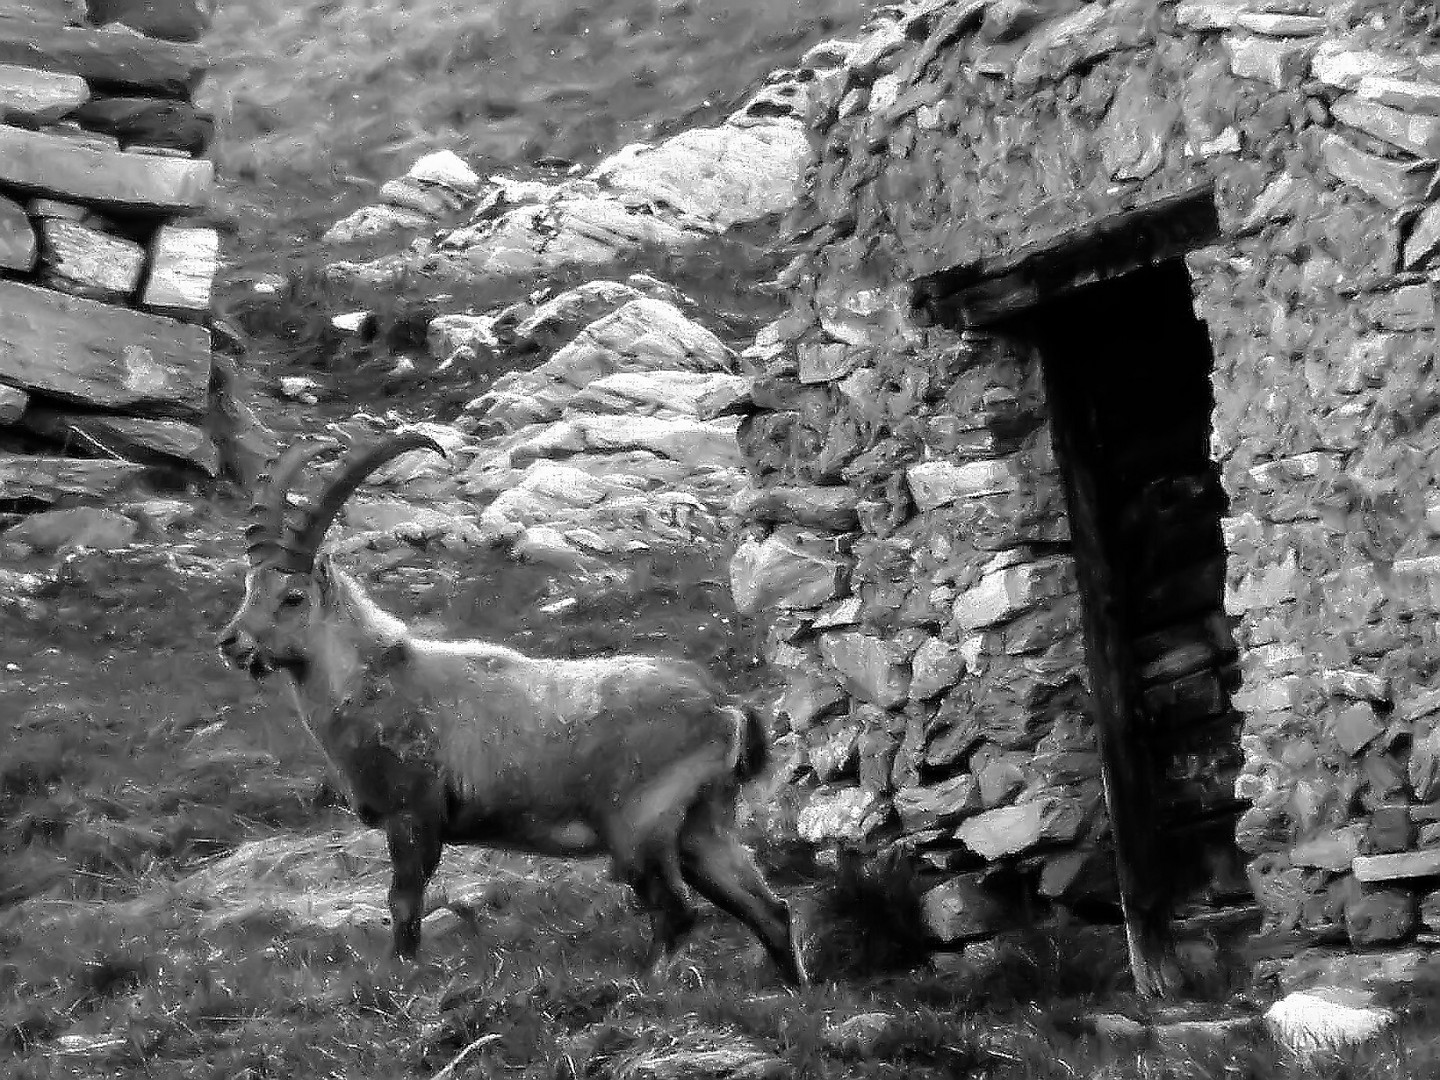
(267, 513)
(349, 475)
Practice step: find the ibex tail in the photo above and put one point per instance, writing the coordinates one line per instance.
(752, 744)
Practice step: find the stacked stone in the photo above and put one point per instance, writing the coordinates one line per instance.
(906, 527)
(1322, 310)
(105, 364)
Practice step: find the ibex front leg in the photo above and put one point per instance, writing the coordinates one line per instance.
(415, 848)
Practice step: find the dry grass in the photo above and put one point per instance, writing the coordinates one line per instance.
(117, 961)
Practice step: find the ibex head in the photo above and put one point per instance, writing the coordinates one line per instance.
(285, 587)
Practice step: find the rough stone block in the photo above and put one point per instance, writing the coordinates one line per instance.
(831, 507)
(1334, 850)
(808, 698)
(1281, 62)
(962, 908)
(88, 262)
(826, 363)
(937, 804)
(1411, 95)
(1355, 727)
(833, 749)
(938, 483)
(1209, 14)
(1379, 917)
(1008, 830)
(789, 570)
(183, 263)
(1004, 594)
(1410, 307)
(1391, 183)
(847, 815)
(936, 666)
(1423, 243)
(1333, 967)
(1346, 68)
(17, 237)
(1418, 134)
(867, 667)
(1276, 24)
(12, 403)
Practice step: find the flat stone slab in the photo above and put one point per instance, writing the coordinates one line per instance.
(108, 357)
(39, 96)
(25, 476)
(113, 60)
(56, 167)
(1405, 864)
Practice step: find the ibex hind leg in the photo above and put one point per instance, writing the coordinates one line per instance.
(415, 848)
(672, 915)
(719, 868)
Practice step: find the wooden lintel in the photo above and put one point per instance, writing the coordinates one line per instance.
(989, 290)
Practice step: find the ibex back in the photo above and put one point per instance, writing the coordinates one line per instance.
(466, 742)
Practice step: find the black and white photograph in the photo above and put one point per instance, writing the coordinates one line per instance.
(719, 540)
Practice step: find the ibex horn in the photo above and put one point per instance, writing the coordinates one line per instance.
(267, 527)
(349, 475)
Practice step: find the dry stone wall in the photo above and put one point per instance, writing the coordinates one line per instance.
(906, 524)
(105, 358)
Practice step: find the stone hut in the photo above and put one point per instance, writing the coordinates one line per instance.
(1093, 468)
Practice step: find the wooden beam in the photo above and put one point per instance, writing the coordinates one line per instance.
(48, 165)
(113, 60)
(107, 357)
(989, 290)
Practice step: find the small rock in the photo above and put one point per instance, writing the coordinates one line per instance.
(354, 322)
(78, 527)
(12, 403)
(790, 569)
(299, 388)
(1327, 1019)
(447, 168)
(1007, 830)
(963, 908)
(936, 666)
(935, 804)
(860, 1036)
(371, 221)
(866, 667)
(845, 814)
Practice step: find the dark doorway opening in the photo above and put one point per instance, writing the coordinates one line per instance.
(1126, 363)
(1127, 372)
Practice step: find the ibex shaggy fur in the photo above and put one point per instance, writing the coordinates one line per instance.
(466, 742)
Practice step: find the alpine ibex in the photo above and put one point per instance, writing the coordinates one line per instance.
(467, 742)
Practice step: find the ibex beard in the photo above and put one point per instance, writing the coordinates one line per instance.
(471, 743)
